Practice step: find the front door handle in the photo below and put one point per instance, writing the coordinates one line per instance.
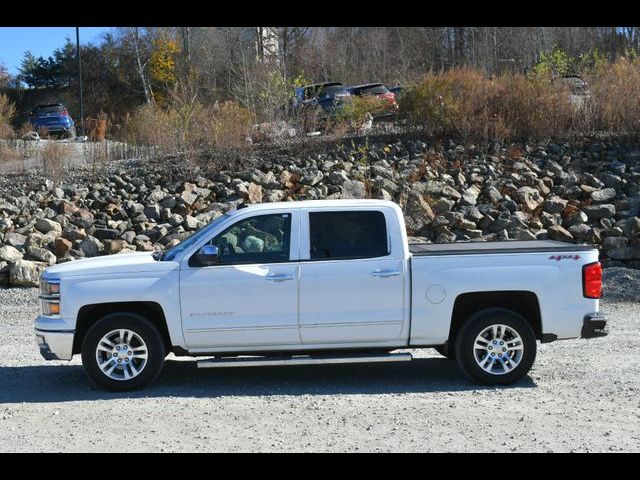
(385, 273)
(279, 278)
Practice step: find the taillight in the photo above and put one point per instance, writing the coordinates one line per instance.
(592, 280)
(65, 113)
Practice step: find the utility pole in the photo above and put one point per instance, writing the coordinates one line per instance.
(80, 79)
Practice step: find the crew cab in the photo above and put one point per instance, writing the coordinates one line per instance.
(328, 281)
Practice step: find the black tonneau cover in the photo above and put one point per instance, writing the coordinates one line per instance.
(515, 246)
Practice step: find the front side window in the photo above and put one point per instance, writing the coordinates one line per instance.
(347, 235)
(259, 239)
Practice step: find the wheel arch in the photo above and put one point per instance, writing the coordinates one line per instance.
(88, 315)
(523, 302)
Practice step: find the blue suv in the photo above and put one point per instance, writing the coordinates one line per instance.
(54, 118)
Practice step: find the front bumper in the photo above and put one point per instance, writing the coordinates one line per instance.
(56, 345)
(594, 325)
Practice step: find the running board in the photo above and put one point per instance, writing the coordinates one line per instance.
(302, 360)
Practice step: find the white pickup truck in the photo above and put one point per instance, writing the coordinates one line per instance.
(309, 282)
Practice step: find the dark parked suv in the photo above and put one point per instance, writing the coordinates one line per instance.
(330, 96)
(54, 118)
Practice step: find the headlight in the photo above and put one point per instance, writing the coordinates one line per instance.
(50, 295)
(49, 287)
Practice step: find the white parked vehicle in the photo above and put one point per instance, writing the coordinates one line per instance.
(330, 281)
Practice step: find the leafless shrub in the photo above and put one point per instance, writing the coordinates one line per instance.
(53, 160)
(359, 110)
(24, 129)
(7, 112)
(97, 157)
(587, 120)
(188, 129)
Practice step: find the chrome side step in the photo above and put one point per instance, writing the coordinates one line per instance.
(302, 360)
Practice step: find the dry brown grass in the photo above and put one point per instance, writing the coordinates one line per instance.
(470, 106)
(9, 154)
(616, 98)
(188, 128)
(466, 104)
(53, 160)
(24, 129)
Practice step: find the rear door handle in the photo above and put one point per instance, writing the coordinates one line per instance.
(385, 273)
(279, 278)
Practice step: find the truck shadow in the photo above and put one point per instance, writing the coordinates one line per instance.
(65, 383)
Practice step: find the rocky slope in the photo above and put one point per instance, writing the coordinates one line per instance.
(584, 193)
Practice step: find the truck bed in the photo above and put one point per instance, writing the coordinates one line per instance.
(483, 248)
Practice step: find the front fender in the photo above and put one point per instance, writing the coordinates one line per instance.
(79, 292)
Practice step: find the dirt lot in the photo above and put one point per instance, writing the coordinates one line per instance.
(582, 395)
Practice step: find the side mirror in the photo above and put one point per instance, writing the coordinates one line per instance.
(207, 255)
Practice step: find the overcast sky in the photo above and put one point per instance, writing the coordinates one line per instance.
(42, 41)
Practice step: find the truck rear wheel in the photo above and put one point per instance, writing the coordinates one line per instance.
(496, 347)
(123, 351)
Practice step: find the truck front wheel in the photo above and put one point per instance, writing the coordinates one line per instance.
(496, 346)
(123, 351)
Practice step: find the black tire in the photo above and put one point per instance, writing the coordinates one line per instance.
(466, 338)
(446, 351)
(155, 347)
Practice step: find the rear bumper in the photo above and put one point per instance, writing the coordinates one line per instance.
(594, 325)
(55, 345)
(53, 127)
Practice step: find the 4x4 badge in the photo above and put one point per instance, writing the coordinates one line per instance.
(564, 257)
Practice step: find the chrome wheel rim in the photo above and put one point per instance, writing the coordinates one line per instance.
(121, 354)
(498, 349)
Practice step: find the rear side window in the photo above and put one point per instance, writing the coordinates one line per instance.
(344, 235)
(374, 90)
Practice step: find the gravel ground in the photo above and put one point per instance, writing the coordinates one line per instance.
(581, 395)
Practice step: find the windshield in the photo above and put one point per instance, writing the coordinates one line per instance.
(195, 238)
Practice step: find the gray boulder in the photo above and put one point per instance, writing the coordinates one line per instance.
(24, 273)
(603, 195)
(529, 197)
(596, 212)
(9, 254)
(554, 204)
(91, 246)
(46, 225)
(354, 189)
(42, 255)
(556, 232)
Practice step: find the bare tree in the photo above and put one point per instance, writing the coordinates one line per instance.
(134, 38)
